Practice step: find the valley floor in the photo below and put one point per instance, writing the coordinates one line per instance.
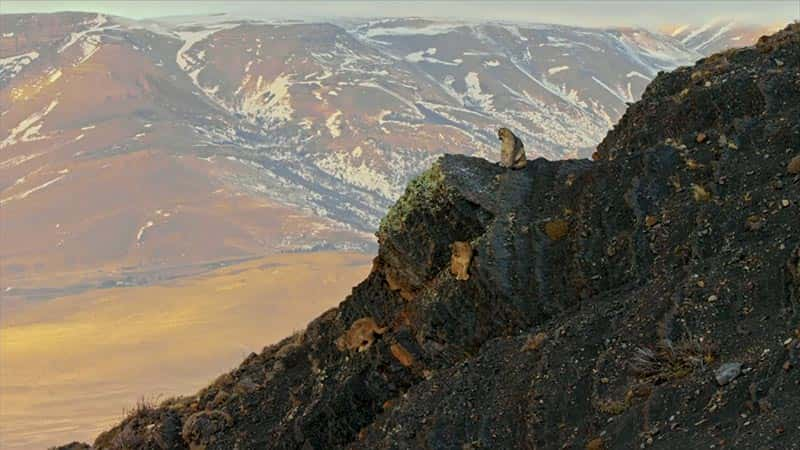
(73, 365)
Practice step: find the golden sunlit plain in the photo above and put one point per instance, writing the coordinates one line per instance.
(72, 365)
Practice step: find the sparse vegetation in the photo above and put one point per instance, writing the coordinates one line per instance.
(670, 361)
(176, 403)
(143, 406)
(613, 407)
(428, 189)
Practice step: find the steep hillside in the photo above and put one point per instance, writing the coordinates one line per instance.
(648, 299)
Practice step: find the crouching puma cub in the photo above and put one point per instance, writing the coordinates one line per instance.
(512, 150)
(361, 335)
(460, 259)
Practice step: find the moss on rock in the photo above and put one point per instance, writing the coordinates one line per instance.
(424, 192)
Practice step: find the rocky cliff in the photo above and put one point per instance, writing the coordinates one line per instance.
(650, 298)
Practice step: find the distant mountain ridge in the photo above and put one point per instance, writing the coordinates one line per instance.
(194, 142)
(718, 34)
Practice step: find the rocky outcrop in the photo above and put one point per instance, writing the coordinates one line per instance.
(603, 299)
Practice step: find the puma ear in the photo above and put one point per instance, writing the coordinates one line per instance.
(500, 133)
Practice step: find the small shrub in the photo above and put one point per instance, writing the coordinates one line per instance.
(143, 407)
(427, 189)
(670, 362)
(613, 407)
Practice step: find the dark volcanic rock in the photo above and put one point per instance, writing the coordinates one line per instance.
(602, 297)
(205, 427)
(73, 446)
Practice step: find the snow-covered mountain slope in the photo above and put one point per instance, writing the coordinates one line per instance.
(718, 34)
(141, 144)
(360, 108)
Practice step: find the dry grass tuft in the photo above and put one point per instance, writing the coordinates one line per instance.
(670, 361)
(143, 406)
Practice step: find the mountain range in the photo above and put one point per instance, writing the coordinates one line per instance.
(134, 151)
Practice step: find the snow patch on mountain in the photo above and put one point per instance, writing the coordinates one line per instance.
(25, 194)
(514, 30)
(430, 29)
(475, 96)
(698, 31)
(620, 94)
(679, 30)
(638, 74)
(427, 56)
(193, 64)
(18, 160)
(192, 36)
(554, 70)
(141, 231)
(652, 53)
(553, 41)
(54, 76)
(342, 165)
(89, 47)
(722, 30)
(413, 110)
(98, 24)
(268, 101)
(28, 129)
(569, 97)
(334, 124)
(12, 65)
